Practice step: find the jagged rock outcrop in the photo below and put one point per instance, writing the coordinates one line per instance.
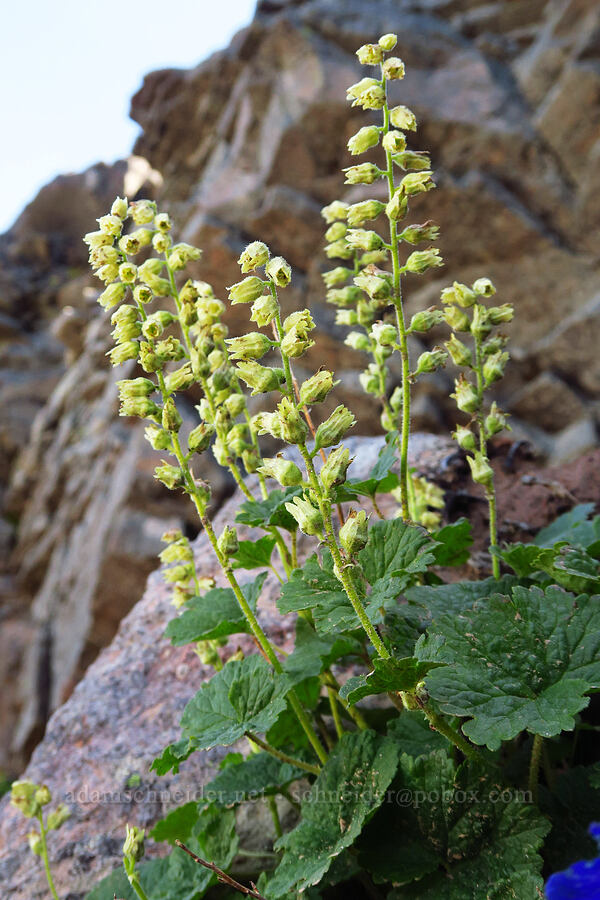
(250, 144)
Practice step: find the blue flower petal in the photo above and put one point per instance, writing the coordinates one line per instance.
(579, 882)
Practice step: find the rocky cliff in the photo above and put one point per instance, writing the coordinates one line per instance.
(249, 144)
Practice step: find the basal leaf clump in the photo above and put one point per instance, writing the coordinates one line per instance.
(444, 761)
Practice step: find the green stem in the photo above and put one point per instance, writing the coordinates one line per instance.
(283, 757)
(451, 734)
(291, 800)
(275, 816)
(335, 712)
(534, 765)
(401, 324)
(45, 856)
(490, 491)
(353, 711)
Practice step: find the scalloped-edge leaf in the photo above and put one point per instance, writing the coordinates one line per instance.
(254, 554)
(574, 527)
(246, 695)
(454, 543)
(259, 775)
(523, 663)
(415, 735)
(347, 792)
(387, 675)
(313, 653)
(272, 511)
(216, 614)
(451, 599)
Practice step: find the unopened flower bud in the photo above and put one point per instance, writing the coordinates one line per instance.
(132, 243)
(421, 260)
(279, 271)
(361, 239)
(431, 360)
(346, 317)
(122, 352)
(367, 93)
(22, 795)
(235, 404)
(394, 142)
(384, 333)
(396, 399)
(96, 239)
(414, 234)
(301, 317)
(481, 471)
(343, 297)
(282, 470)
(246, 291)
(170, 348)
(108, 272)
(417, 183)
(499, 314)
(43, 795)
(171, 419)
(237, 439)
(200, 437)
(460, 353)
(268, 423)
(496, 421)
(161, 242)
(142, 211)
(466, 396)
(112, 295)
(365, 312)
(333, 429)
(308, 517)
(364, 211)
(58, 817)
(397, 207)
(296, 342)
(133, 848)
(493, 367)
(387, 42)
(200, 364)
(457, 319)
(404, 118)
(335, 211)
(483, 287)
(228, 543)
(251, 460)
(316, 388)
(480, 323)
(170, 476)
(135, 387)
(35, 843)
(119, 207)
(426, 319)
(365, 173)
(340, 249)
(370, 380)
(157, 438)
(460, 294)
(378, 287)
(126, 331)
(256, 254)
(465, 438)
(216, 359)
(354, 533)
(181, 379)
(415, 161)
(494, 344)
(110, 225)
(253, 345)
(336, 276)
(363, 140)
(358, 341)
(333, 471)
(181, 254)
(293, 427)
(370, 54)
(261, 379)
(393, 68)
(336, 231)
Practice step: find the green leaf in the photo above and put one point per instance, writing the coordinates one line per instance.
(571, 567)
(454, 542)
(271, 511)
(173, 755)
(313, 653)
(381, 478)
(177, 824)
(454, 835)
(287, 731)
(387, 456)
(254, 554)
(259, 775)
(316, 588)
(515, 664)
(401, 629)
(452, 599)
(396, 549)
(414, 734)
(573, 527)
(216, 614)
(247, 695)
(387, 675)
(349, 789)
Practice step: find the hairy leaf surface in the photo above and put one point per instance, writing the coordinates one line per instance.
(216, 614)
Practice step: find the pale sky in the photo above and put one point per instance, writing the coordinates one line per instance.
(68, 69)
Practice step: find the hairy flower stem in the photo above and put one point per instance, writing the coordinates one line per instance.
(400, 321)
(335, 712)
(490, 491)
(275, 816)
(454, 736)
(45, 859)
(134, 881)
(534, 765)
(283, 757)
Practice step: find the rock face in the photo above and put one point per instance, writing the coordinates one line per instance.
(250, 145)
(128, 705)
